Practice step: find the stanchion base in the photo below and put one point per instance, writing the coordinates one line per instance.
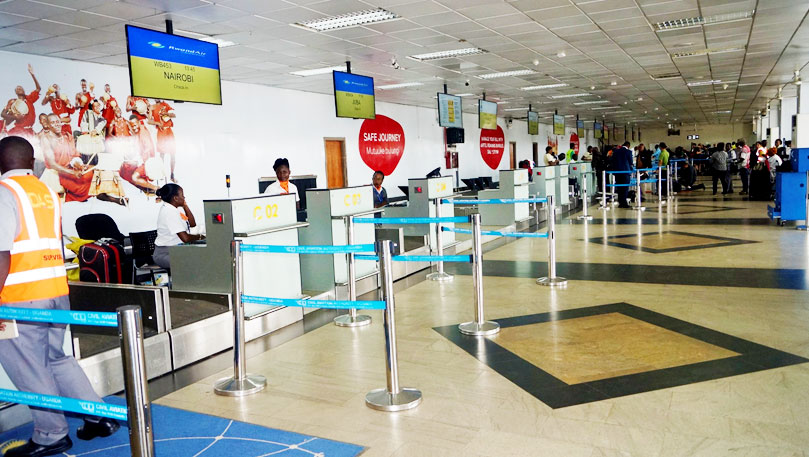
(582, 217)
(231, 387)
(557, 281)
(604, 208)
(382, 400)
(440, 277)
(639, 208)
(802, 228)
(345, 320)
(483, 329)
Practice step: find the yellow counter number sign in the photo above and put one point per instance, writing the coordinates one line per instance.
(268, 212)
(352, 199)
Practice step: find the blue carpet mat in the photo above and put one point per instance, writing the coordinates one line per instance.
(181, 433)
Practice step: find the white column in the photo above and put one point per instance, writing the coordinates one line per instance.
(775, 122)
(789, 107)
(803, 98)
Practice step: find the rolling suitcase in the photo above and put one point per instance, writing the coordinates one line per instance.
(102, 261)
(760, 186)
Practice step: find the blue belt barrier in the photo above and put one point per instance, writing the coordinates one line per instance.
(412, 220)
(72, 405)
(495, 201)
(330, 304)
(60, 316)
(421, 258)
(620, 185)
(676, 160)
(324, 249)
(620, 172)
(496, 233)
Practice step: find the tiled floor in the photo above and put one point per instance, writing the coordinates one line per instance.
(318, 381)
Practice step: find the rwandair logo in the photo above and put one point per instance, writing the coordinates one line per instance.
(156, 44)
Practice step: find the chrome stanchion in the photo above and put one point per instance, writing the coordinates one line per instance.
(393, 397)
(638, 196)
(604, 206)
(241, 383)
(669, 182)
(676, 168)
(480, 326)
(439, 247)
(660, 184)
(585, 202)
(352, 319)
(805, 226)
(130, 332)
(551, 279)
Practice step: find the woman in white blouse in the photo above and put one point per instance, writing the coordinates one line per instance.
(174, 222)
(282, 185)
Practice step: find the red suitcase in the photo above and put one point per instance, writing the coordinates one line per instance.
(102, 261)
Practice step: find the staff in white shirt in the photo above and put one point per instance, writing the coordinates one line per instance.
(282, 186)
(174, 222)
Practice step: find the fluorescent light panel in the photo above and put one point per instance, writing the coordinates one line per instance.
(317, 71)
(594, 102)
(447, 54)
(199, 36)
(544, 86)
(399, 85)
(704, 83)
(516, 109)
(598, 108)
(345, 21)
(504, 74)
(569, 96)
(688, 22)
(702, 52)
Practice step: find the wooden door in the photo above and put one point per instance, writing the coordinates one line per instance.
(536, 153)
(512, 149)
(335, 163)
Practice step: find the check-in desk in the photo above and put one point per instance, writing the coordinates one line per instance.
(562, 196)
(544, 182)
(513, 184)
(329, 210)
(255, 220)
(422, 193)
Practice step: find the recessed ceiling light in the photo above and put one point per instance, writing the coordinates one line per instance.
(544, 86)
(561, 54)
(699, 20)
(570, 96)
(536, 61)
(447, 54)
(614, 83)
(592, 87)
(463, 95)
(399, 85)
(599, 108)
(504, 74)
(516, 109)
(318, 71)
(345, 21)
(594, 102)
(203, 37)
(703, 52)
(704, 83)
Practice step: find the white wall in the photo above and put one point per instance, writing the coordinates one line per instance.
(254, 126)
(708, 134)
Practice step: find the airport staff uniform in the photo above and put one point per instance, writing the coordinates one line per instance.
(170, 221)
(276, 189)
(30, 229)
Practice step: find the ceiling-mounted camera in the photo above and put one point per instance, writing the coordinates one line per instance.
(467, 82)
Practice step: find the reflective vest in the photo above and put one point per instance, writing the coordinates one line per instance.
(37, 269)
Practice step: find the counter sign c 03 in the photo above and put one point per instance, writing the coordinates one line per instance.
(171, 67)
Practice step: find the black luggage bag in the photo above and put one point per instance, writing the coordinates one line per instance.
(760, 185)
(103, 261)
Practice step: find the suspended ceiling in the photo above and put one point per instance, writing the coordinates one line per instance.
(607, 48)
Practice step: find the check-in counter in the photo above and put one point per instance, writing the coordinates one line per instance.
(513, 184)
(562, 196)
(422, 193)
(544, 182)
(254, 220)
(328, 213)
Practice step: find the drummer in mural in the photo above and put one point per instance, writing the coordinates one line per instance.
(66, 172)
(110, 104)
(138, 106)
(161, 117)
(19, 115)
(84, 99)
(60, 105)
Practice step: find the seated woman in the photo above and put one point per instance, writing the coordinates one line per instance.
(282, 186)
(174, 222)
(380, 194)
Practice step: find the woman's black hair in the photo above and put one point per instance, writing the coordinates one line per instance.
(280, 163)
(167, 192)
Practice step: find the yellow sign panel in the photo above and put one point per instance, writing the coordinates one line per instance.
(174, 81)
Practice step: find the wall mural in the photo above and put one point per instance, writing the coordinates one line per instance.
(492, 146)
(90, 145)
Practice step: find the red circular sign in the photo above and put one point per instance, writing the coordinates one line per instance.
(382, 143)
(492, 146)
(574, 139)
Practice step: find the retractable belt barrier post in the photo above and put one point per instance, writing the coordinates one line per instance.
(241, 383)
(393, 397)
(551, 279)
(604, 206)
(138, 410)
(669, 182)
(638, 198)
(660, 184)
(439, 275)
(584, 200)
(130, 331)
(480, 326)
(352, 319)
